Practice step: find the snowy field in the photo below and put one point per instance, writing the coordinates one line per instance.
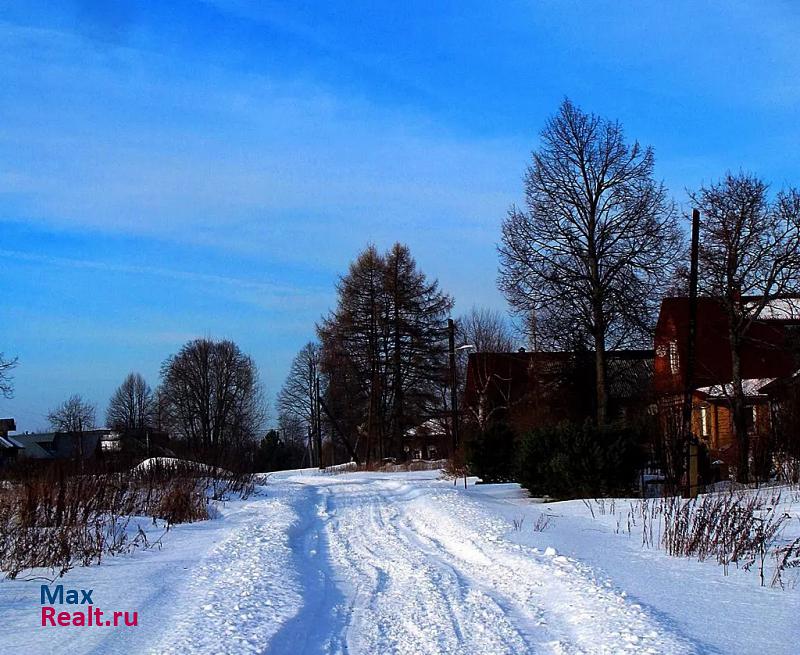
(406, 563)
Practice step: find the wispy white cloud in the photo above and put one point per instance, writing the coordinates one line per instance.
(263, 294)
(236, 159)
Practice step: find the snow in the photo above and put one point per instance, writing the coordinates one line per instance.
(750, 386)
(407, 563)
(175, 463)
(779, 309)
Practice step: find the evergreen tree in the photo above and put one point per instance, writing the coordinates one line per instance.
(384, 349)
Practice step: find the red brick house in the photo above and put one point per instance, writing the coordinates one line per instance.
(536, 389)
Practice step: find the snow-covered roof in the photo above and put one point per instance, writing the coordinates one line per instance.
(430, 427)
(780, 309)
(8, 442)
(750, 386)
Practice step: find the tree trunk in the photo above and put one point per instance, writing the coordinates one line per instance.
(739, 413)
(600, 367)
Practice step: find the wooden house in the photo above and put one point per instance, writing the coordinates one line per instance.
(429, 440)
(768, 352)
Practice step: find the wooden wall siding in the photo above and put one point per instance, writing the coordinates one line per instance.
(767, 352)
(720, 426)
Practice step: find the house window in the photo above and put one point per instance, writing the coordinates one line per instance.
(674, 364)
(704, 421)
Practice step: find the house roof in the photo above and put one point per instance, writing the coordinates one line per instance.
(36, 437)
(30, 442)
(629, 372)
(431, 427)
(775, 385)
(751, 387)
(9, 443)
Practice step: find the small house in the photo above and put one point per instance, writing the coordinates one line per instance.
(61, 445)
(429, 440)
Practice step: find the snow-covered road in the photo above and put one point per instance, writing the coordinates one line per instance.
(358, 563)
(371, 564)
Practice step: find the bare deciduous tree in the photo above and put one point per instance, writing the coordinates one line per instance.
(73, 415)
(297, 409)
(212, 395)
(131, 405)
(750, 259)
(594, 245)
(486, 330)
(6, 381)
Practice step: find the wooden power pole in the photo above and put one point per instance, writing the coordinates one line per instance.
(686, 424)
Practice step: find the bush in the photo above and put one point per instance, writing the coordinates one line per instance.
(578, 461)
(491, 454)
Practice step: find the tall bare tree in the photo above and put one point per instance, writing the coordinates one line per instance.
(131, 405)
(212, 395)
(593, 247)
(6, 381)
(73, 415)
(750, 259)
(297, 408)
(480, 330)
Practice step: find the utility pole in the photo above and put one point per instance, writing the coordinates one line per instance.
(318, 422)
(451, 334)
(686, 424)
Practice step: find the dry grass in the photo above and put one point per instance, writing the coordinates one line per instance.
(57, 517)
(736, 528)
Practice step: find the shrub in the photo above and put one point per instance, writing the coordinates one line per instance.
(181, 503)
(574, 461)
(491, 454)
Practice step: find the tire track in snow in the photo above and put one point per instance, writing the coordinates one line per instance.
(318, 627)
(379, 565)
(404, 600)
(587, 615)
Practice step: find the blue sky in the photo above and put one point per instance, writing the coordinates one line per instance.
(179, 169)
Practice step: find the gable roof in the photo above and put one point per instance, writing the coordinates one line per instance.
(30, 442)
